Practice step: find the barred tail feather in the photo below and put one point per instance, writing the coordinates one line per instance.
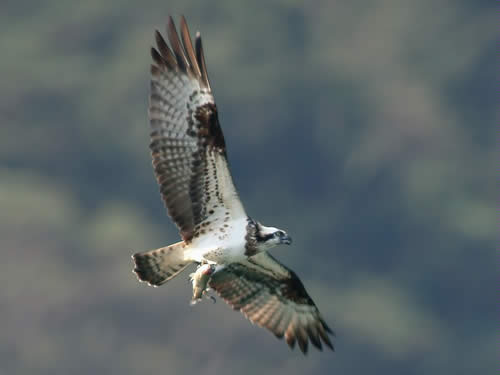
(158, 266)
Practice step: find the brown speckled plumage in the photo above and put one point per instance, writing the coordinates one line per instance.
(251, 238)
(272, 296)
(190, 163)
(187, 143)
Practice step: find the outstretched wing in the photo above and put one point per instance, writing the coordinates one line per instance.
(187, 144)
(272, 296)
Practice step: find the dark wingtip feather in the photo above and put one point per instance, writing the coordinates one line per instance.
(160, 42)
(328, 329)
(200, 58)
(170, 23)
(314, 337)
(303, 345)
(175, 43)
(156, 57)
(290, 340)
(188, 48)
(325, 338)
(164, 51)
(279, 335)
(302, 339)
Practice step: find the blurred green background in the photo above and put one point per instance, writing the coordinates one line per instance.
(365, 129)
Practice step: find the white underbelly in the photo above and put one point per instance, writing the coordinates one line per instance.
(220, 244)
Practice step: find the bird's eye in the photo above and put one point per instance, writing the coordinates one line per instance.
(280, 234)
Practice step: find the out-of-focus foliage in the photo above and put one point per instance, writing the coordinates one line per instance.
(366, 129)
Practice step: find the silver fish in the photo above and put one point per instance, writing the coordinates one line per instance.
(200, 280)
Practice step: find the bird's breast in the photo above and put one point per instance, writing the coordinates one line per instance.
(223, 243)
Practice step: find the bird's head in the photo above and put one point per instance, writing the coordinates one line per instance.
(269, 237)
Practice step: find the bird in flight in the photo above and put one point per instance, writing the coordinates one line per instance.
(229, 247)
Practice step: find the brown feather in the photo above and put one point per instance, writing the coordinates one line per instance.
(274, 323)
(302, 337)
(175, 42)
(200, 57)
(282, 326)
(325, 337)
(165, 52)
(157, 57)
(188, 46)
(272, 296)
(185, 131)
(290, 339)
(314, 336)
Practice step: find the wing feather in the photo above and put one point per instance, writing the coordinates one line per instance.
(165, 52)
(187, 144)
(200, 57)
(272, 296)
(282, 323)
(186, 39)
(175, 42)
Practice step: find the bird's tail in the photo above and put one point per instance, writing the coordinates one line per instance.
(158, 266)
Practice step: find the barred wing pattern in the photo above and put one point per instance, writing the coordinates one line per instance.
(272, 296)
(187, 144)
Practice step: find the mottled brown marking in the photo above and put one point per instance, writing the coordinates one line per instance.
(260, 298)
(250, 238)
(187, 179)
(210, 127)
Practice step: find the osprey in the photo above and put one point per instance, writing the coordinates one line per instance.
(230, 248)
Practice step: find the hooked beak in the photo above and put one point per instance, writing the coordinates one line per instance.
(287, 240)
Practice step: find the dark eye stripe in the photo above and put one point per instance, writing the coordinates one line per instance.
(265, 238)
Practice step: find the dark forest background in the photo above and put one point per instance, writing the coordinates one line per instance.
(367, 130)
